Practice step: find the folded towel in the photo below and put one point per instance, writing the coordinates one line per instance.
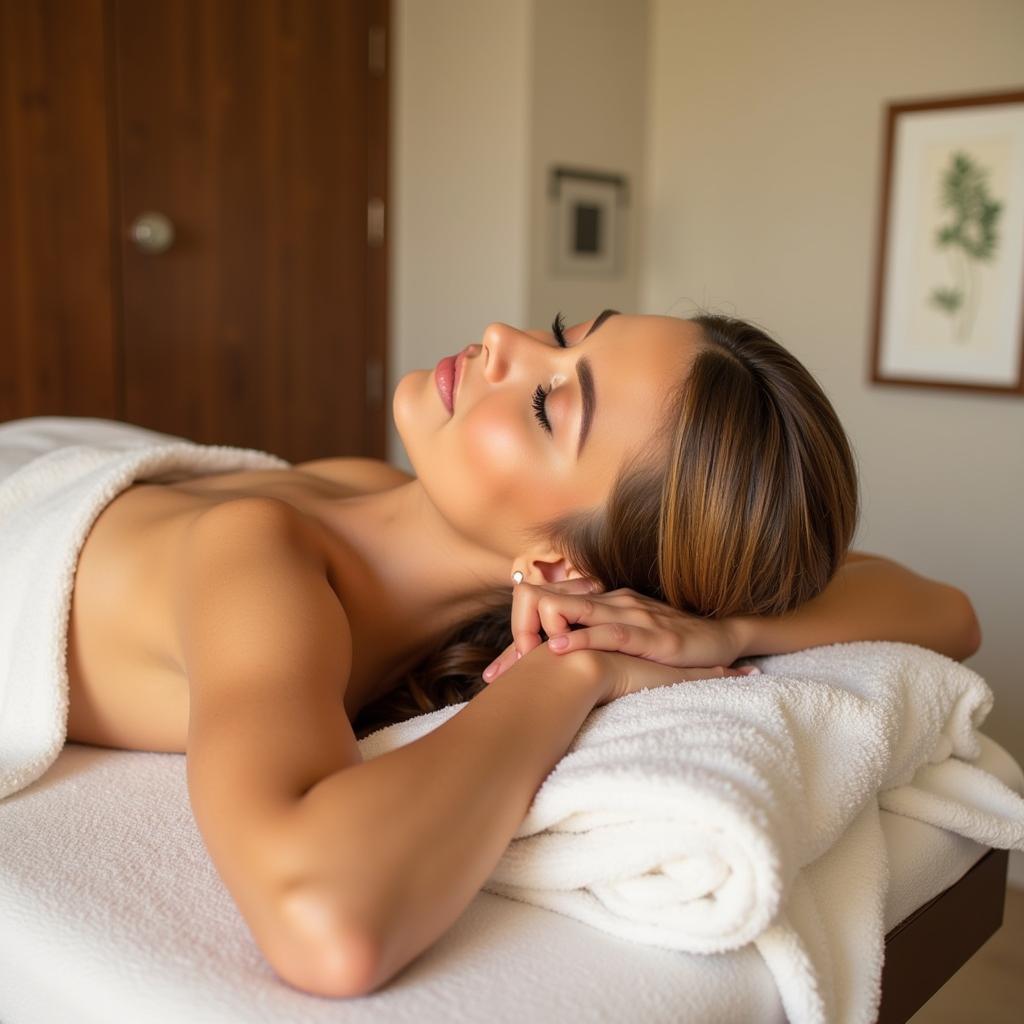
(709, 814)
(49, 500)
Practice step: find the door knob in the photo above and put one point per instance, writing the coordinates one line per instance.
(152, 233)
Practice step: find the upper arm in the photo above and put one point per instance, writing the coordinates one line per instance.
(268, 649)
(964, 618)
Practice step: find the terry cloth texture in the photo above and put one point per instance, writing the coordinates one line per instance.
(52, 490)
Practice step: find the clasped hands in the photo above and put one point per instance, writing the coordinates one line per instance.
(657, 637)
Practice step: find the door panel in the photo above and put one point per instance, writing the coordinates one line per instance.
(245, 122)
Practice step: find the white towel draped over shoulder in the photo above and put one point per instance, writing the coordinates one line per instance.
(710, 814)
(52, 489)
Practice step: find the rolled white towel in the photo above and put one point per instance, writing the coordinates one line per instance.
(687, 816)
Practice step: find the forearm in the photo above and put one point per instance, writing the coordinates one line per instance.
(872, 599)
(405, 841)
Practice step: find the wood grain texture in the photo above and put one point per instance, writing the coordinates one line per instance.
(245, 122)
(58, 343)
(989, 988)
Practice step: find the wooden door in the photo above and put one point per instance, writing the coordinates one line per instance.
(258, 129)
(58, 313)
(246, 123)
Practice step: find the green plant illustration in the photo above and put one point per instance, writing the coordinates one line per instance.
(969, 240)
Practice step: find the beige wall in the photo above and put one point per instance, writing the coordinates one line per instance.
(752, 134)
(487, 95)
(764, 158)
(588, 109)
(458, 220)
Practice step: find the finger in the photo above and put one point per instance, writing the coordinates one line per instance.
(715, 672)
(526, 620)
(626, 600)
(573, 585)
(557, 612)
(527, 643)
(720, 671)
(501, 663)
(607, 636)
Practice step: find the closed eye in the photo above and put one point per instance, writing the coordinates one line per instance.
(539, 396)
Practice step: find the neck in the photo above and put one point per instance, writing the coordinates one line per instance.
(409, 577)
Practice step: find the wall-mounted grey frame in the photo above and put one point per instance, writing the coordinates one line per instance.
(587, 222)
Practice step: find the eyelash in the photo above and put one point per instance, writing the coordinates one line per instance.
(558, 330)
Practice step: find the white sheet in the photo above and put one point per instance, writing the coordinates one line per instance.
(101, 862)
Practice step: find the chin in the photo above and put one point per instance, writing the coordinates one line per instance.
(407, 413)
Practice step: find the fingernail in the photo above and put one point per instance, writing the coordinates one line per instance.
(559, 642)
(489, 671)
(519, 654)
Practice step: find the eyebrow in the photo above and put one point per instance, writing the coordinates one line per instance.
(585, 373)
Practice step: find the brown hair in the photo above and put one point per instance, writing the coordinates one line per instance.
(744, 504)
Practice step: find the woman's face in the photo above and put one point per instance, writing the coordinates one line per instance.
(492, 468)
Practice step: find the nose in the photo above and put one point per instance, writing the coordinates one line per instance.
(501, 343)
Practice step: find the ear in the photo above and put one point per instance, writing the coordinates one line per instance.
(551, 567)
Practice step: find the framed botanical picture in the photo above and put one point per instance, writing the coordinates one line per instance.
(949, 285)
(587, 222)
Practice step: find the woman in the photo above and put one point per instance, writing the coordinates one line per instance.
(664, 495)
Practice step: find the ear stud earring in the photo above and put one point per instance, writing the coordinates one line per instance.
(517, 577)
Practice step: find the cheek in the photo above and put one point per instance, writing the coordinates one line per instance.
(495, 454)
(476, 478)
(515, 483)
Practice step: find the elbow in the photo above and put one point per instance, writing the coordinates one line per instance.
(342, 968)
(970, 629)
(318, 954)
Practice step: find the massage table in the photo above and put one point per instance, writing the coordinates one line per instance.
(111, 912)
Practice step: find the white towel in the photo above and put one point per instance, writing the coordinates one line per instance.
(710, 814)
(52, 494)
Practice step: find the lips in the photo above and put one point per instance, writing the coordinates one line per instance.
(444, 378)
(447, 374)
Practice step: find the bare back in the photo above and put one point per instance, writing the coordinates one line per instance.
(128, 686)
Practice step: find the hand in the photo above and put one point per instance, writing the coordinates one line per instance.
(621, 674)
(621, 621)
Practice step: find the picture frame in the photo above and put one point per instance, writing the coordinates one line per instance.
(949, 273)
(587, 222)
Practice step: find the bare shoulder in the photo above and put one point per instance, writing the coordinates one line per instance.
(267, 650)
(361, 473)
(240, 521)
(861, 556)
(266, 643)
(256, 556)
